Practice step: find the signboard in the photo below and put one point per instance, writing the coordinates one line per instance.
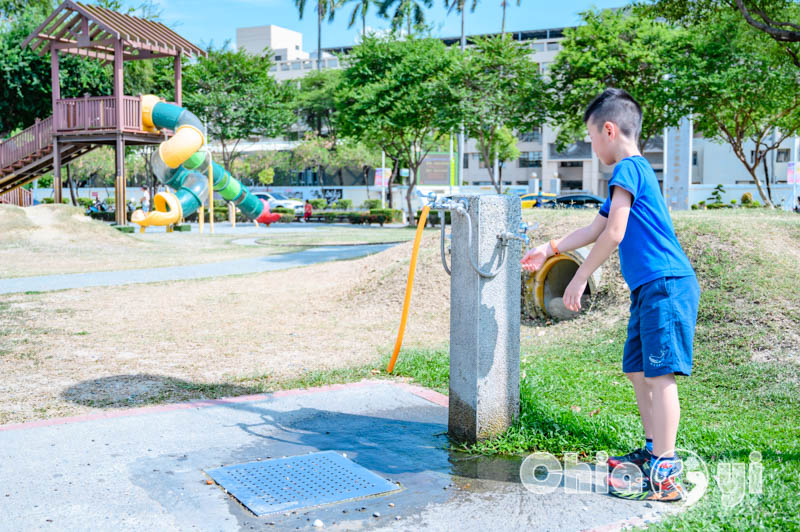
(435, 169)
(678, 165)
(382, 176)
(791, 174)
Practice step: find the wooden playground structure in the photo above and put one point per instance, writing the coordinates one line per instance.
(78, 125)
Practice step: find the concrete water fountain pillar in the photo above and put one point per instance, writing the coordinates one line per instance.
(484, 318)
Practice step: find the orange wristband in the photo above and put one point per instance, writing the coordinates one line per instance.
(553, 247)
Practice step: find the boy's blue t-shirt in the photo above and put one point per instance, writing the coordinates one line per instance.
(649, 249)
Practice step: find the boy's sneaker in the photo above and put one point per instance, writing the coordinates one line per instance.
(638, 457)
(661, 485)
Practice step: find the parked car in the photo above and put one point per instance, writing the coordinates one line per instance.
(276, 199)
(579, 201)
(531, 200)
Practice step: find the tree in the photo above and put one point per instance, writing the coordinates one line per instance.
(351, 153)
(408, 12)
(397, 94)
(25, 88)
(324, 7)
(503, 26)
(776, 18)
(315, 103)
(233, 93)
(505, 146)
(616, 49)
(740, 91)
(361, 9)
(498, 86)
(314, 152)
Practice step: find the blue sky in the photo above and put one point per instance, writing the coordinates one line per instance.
(203, 21)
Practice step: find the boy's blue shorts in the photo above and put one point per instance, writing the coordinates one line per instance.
(661, 327)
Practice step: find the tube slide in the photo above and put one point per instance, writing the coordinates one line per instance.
(543, 290)
(182, 163)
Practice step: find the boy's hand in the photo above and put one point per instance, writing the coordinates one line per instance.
(534, 258)
(573, 293)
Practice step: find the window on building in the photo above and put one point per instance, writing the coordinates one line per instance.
(782, 156)
(307, 65)
(553, 45)
(531, 136)
(466, 160)
(544, 68)
(273, 68)
(694, 158)
(753, 155)
(284, 66)
(530, 159)
(296, 65)
(481, 163)
(332, 63)
(571, 164)
(296, 46)
(277, 58)
(537, 46)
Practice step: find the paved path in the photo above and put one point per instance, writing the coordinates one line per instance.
(144, 469)
(46, 283)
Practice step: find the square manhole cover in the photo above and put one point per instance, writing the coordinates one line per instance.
(296, 482)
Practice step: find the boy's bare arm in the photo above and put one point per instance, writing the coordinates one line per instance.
(605, 245)
(534, 258)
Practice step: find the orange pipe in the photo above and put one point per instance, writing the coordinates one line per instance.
(409, 285)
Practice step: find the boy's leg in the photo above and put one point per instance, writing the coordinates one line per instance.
(665, 413)
(644, 400)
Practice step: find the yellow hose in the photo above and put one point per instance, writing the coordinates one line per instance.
(409, 285)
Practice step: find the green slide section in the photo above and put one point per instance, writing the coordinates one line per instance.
(190, 180)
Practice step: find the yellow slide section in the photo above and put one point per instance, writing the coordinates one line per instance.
(167, 212)
(186, 141)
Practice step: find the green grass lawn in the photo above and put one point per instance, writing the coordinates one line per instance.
(743, 396)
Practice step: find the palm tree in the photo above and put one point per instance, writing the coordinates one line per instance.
(405, 11)
(503, 27)
(324, 7)
(362, 6)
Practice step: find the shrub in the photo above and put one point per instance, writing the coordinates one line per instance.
(361, 218)
(318, 203)
(694, 207)
(343, 204)
(282, 210)
(747, 197)
(47, 200)
(392, 215)
(371, 204)
(433, 217)
(85, 202)
(286, 218)
(733, 202)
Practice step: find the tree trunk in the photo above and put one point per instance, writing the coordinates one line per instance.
(71, 187)
(766, 177)
(319, 35)
(760, 189)
(395, 172)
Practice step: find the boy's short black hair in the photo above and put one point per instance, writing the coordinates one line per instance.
(619, 107)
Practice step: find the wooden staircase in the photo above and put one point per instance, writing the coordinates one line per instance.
(28, 155)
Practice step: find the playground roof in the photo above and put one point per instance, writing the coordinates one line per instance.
(91, 31)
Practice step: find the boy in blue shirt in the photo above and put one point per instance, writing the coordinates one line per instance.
(664, 290)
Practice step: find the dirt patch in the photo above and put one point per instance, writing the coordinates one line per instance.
(236, 331)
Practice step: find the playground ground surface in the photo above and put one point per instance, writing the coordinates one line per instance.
(65, 353)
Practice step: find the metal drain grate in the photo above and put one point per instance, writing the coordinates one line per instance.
(298, 481)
